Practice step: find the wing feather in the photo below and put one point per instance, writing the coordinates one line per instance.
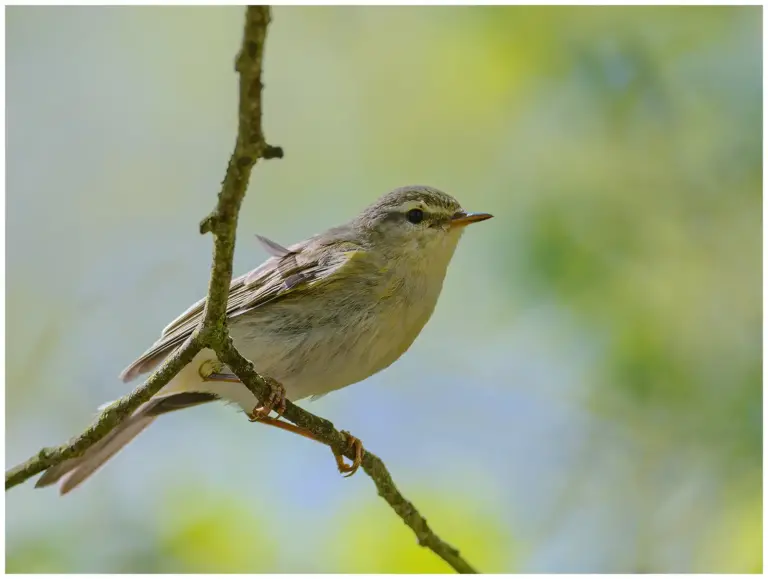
(300, 267)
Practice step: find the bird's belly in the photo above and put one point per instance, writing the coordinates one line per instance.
(326, 357)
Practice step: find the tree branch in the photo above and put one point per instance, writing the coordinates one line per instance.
(113, 415)
(324, 430)
(213, 333)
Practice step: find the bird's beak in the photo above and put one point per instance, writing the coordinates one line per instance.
(462, 219)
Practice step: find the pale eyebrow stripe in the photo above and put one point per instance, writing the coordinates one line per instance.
(439, 211)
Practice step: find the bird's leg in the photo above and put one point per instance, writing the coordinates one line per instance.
(347, 470)
(211, 371)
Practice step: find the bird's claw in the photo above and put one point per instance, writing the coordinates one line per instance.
(276, 401)
(349, 469)
(210, 370)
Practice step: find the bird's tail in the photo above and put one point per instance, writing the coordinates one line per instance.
(75, 470)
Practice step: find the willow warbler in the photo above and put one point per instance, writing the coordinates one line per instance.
(316, 316)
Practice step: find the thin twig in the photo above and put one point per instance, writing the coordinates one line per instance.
(113, 415)
(213, 333)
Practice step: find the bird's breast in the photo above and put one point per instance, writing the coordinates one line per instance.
(321, 343)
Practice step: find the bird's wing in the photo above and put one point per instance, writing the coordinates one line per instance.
(301, 267)
(272, 247)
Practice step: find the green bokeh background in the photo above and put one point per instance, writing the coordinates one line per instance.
(587, 396)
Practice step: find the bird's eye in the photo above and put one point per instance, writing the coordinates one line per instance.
(415, 215)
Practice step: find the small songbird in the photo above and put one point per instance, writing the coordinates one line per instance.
(316, 316)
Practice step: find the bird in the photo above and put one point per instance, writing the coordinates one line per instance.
(316, 316)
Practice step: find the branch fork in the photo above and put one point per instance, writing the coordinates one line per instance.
(213, 333)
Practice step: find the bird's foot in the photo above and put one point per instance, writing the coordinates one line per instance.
(276, 401)
(349, 469)
(345, 469)
(215, 371)
(211, 371)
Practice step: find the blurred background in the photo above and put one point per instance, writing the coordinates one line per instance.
(596, 409)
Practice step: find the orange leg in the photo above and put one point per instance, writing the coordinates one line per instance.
(276, 401)
(346, 469)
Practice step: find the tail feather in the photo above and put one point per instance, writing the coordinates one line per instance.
(93, 461)
(53, 474)
(74, 471)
